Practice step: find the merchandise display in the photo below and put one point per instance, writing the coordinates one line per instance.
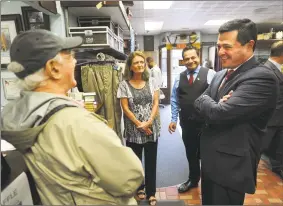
(98, 36)
(88, 100)
(271, 35)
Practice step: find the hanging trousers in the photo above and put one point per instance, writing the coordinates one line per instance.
(215, 194)
(150, 157)
(190, 135)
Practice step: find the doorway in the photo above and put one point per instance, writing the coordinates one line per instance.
(176, 56)
(165, 66)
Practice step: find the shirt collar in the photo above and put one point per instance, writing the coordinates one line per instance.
(195, 71)
(276, 64)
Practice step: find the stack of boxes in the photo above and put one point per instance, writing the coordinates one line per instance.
(87, 99)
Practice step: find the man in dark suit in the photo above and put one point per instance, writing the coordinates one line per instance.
(272, 143)
(237, 106)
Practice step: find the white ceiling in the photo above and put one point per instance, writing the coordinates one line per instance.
(191, 15)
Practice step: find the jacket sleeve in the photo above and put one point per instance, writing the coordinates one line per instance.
(111, 165)
(250, 98)
(211, 81)
(207, 91)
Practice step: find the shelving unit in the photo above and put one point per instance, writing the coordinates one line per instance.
(112, 44)
(265, 44)
(262, 50)
(106, 50)
(98, 36)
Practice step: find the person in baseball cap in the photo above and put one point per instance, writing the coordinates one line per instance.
(32, 49)
(42, 56)
(73, 156)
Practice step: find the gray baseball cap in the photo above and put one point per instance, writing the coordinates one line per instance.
(33, 48)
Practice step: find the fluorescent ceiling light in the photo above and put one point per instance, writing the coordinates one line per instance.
(153, 25)
(215, 22)
(157, 4)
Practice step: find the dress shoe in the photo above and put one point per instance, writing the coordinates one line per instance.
(279, 172)
(186, 186)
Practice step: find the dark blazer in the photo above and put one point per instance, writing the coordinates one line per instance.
(277, 118)
(230, 142)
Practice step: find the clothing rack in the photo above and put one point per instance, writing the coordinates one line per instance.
(92, 61)
(90, 57)
(95, 62)
(109, 51)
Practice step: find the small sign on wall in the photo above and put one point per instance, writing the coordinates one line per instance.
(11, 89)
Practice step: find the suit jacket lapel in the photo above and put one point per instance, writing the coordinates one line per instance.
(234, 76)
(269, 64)
(219, 78)
(244, 67)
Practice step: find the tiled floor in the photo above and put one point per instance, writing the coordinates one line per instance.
(269, 190)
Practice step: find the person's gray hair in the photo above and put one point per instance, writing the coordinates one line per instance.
(33, 81)
(276, 49)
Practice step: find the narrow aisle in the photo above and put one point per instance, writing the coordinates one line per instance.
(172, 166)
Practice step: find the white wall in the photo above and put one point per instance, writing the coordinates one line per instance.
(139, 39)
(209, 37)
(57, 22)
(72, 20)
(12, 7)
